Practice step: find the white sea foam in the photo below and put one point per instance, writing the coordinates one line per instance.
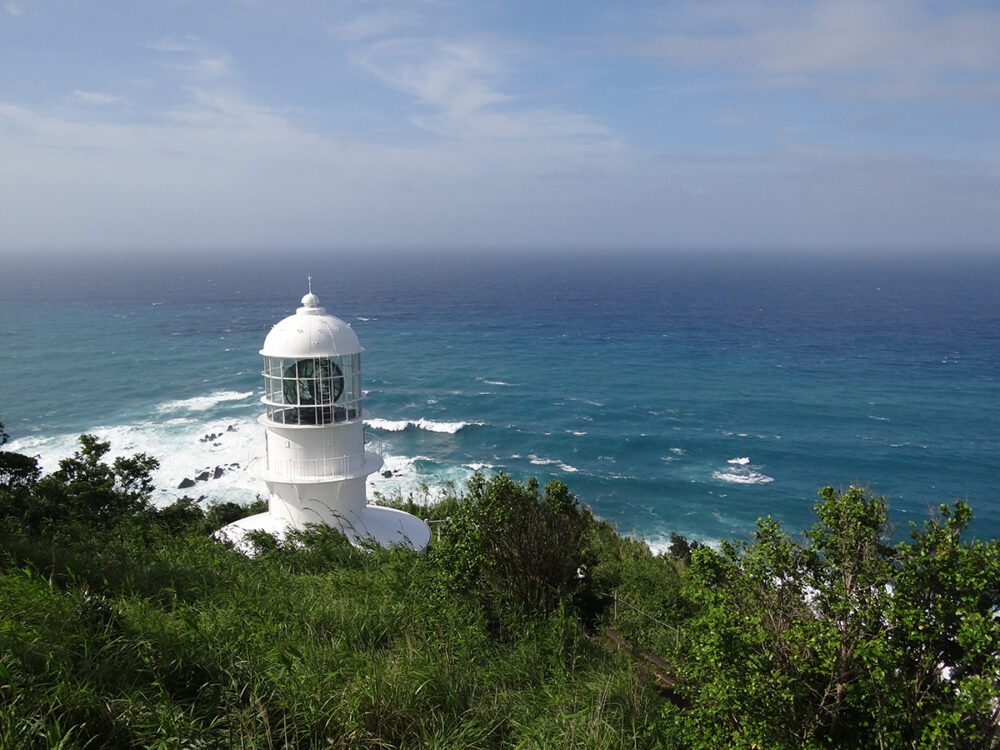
(419, 478)
(498, 382)
(204, 403)
(184, 450)
(741, 471)
(659, 542)
(538, 461)
(398, 425)
(578, 433)
(678, 451)
(388, 425)
(480, 466)
(749, 477)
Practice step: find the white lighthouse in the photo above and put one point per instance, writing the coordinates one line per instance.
(315, 463)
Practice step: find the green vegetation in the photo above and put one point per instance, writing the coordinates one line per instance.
(528, 623)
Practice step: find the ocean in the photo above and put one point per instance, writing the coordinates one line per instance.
(676, 392)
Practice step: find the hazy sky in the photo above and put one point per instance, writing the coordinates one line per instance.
(142, 124)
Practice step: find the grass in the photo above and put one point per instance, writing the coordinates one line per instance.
(137, 629)
(138, 638)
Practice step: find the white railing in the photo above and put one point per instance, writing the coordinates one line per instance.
(302, 470)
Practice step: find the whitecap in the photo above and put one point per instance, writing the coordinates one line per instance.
(742, 461)
(498, 382)
(430, 425)
(388, 425)
(751, 477)
(203, 403)
(538, 461)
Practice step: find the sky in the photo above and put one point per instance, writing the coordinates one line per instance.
(146, 126)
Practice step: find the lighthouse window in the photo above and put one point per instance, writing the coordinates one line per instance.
(313, 390)
(311, 382)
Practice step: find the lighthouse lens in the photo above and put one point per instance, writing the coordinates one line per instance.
(311, 382)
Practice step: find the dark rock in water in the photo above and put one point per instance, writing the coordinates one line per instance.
(218, 472)
(387, 474)
(234, 466)
(231, 428)
(201, 498)
(185, 483)
(203, 476)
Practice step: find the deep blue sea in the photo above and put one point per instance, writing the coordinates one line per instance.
(687, 392)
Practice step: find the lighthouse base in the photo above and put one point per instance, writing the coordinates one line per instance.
(386, 527)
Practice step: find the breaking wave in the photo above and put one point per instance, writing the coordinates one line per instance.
(742, 472)
(537, 461)
(204, 403)
(398, 425)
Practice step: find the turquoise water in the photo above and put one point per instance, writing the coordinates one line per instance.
(688, 393)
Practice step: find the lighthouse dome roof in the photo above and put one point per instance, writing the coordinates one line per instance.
(310, 332)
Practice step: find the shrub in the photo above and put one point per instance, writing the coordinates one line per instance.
(514, 549)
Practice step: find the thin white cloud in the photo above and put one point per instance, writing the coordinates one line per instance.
(14, 9)
(170, 44)
(461, 83)
(457, 77)
(376, 24)
(195, 58)
(194, 160)
(95, 97)
(909, 48)
(222, 170)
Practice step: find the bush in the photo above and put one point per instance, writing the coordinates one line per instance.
(514, 550)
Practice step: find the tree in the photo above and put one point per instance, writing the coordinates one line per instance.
(18, 475)
(86, 488)
(17, 471)
(844, 640)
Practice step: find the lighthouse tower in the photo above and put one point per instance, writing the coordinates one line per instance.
(315, 463)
